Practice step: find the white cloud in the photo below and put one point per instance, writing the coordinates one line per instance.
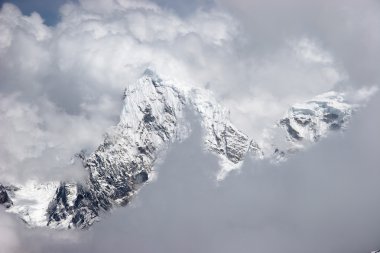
(309, 51)
(99, 47)
(69, 78)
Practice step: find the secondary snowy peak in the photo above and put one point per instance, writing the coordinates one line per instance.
(152, 118)
(306, 123)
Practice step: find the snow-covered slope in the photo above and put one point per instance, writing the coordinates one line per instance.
(153, 117)
(30, 201)
(306, 123)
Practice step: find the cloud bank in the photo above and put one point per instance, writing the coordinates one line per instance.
(325, 200)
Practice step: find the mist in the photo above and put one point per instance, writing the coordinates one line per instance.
(323, 200)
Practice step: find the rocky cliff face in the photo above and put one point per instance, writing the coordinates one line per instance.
(4, 197)
(150, 121)
(152, 118)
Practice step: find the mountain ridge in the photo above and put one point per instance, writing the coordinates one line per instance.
(153, 117)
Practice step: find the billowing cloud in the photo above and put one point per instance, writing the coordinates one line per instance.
(70, 76)
(61, 86)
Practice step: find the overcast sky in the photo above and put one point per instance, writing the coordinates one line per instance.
(65, 64)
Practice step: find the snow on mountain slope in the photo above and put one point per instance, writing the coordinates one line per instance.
(30, 201)
(220, 135)
(306, 123)
(152, 118)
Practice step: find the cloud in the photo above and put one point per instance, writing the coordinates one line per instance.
(335, 31)
(61, 86)
(99, 47)
(346, 30)
(9, 238)
(40, 142)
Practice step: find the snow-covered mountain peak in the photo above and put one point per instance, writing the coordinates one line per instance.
(305, 123)
(152, 118)
(151, 95)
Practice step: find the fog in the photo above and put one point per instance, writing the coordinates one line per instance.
(322, 200)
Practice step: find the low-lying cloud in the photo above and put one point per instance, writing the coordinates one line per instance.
(323, 200)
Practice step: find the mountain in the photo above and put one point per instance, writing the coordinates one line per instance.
(153, 117)
(306, 123)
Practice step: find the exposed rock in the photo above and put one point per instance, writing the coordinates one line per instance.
(4, 197)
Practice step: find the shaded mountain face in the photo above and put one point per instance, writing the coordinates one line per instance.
(153, 117)
(4, 197)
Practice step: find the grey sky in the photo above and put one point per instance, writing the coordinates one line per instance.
(347, 29)
(49, 10)
(183, 7)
